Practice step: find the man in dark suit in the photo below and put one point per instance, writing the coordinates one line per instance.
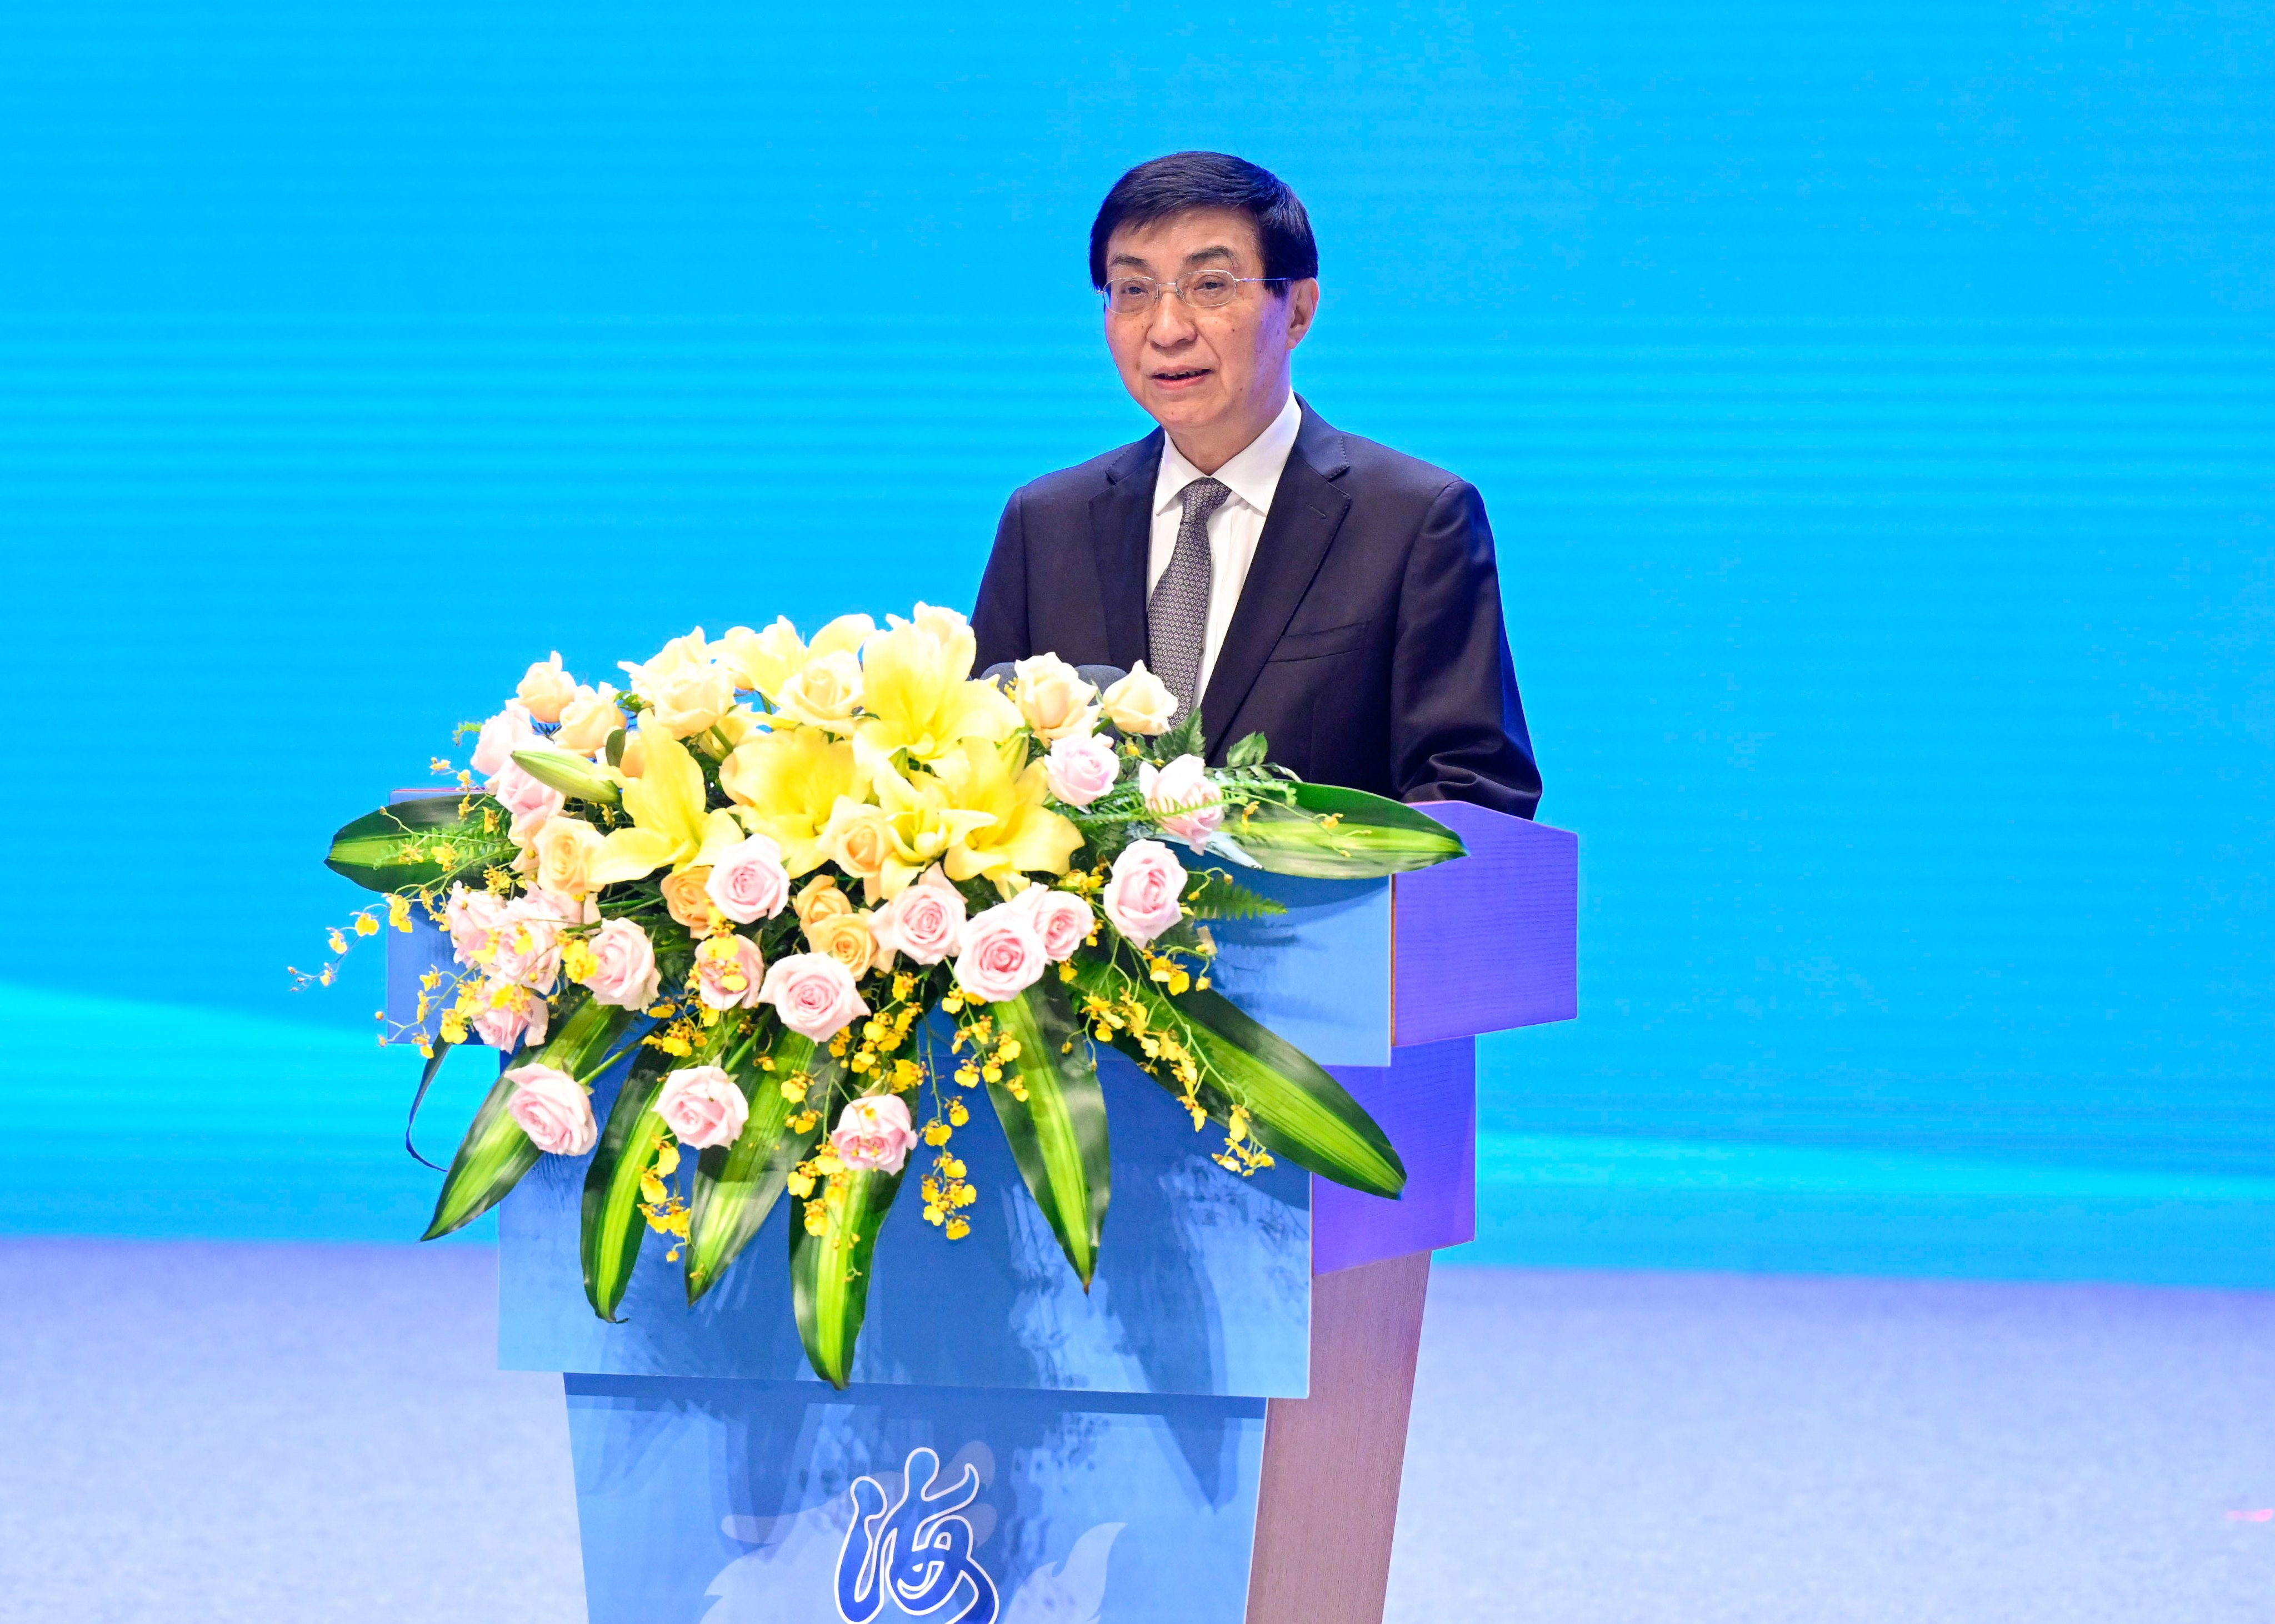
(1294, 580)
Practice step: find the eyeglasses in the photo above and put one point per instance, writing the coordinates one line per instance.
(1204, 289)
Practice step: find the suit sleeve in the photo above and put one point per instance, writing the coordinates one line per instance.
(999, 619)
(1457, 728)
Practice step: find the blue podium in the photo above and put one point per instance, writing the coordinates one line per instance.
(1214, 1432)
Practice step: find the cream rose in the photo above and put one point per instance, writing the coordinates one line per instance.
(1143, 889)
(551, 1108)
(702, 1106)
(691, 699)
(545, 689)
(824, 694)
(1141, 703)
(565, 847)
(859, 839)
(814, 994)
(623, 965)
(588, 720)
(1001, 954)
(1053, 699)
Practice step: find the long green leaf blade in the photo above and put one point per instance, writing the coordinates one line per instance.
(829, 1272)
(609, 1243)
(496, 1153)
(1337, 833)
(430, 841)
(1057, 1133)
(736, 1185)
(1295, 1108)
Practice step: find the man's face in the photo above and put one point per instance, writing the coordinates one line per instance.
(1206, 375)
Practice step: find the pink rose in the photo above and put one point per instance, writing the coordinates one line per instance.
(702, 1106)
(1182, 799)
(1080, 768)
(530, 800)
(924, 921)
(814, 994)
(728, 972)
(623, 965)
(473, 919)
(552, 1110)
(749, 883)
(1062, 919)
(1003, 954)
(511, 1016)
(510, 730)
(1141, 893)
(527, 946)
(874, 1135)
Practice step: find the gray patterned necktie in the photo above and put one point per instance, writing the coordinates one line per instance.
(1177, 614)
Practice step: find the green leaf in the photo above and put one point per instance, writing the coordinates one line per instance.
(829, 1272)
(1369, 836)
(1057, 1133)
(736, 1185)
(496, 1153)
(572, 775)
(1185, 739)
(609, 1243)
(1216, 895)
(1250, 751)
(1294, 1107)
(426, 842)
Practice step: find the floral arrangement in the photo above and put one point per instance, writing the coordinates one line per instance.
(822, 896)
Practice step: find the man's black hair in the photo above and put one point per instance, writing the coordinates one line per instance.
(1184, 181)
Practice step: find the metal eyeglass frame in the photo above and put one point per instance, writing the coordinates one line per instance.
(1175, 285)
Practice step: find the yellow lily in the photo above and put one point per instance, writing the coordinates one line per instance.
(787, 783)
(923, 824)
(1021, 834)
(917, 689)
(670, 823)
(767, 660)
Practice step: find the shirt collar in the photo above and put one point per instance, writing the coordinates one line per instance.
(1253, 473)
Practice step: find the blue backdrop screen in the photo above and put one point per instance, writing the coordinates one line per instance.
(1876, 407)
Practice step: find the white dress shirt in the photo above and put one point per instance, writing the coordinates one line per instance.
(1234, 529)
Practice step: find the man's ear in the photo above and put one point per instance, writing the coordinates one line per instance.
(1303, 305)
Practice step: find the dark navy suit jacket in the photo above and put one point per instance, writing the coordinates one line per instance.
(1367, 645)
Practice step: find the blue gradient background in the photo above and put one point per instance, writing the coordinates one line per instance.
(1875, 406)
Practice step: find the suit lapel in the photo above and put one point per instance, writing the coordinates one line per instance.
(1307, 510)
(1121, 537)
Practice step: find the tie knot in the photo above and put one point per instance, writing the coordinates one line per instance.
(1202, 498)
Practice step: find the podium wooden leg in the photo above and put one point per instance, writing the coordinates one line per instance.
(1328, 1503)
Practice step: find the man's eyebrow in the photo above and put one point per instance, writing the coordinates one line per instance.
(1219, 253)
(1127, 259)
